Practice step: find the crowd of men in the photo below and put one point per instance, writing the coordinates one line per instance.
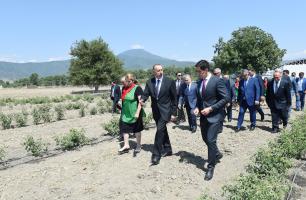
(211, 98)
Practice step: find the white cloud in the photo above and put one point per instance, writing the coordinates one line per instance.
(137, 46)
(33, 60)
(9, 58)
(58, 58)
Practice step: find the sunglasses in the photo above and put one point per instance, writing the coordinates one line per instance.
(179, 75)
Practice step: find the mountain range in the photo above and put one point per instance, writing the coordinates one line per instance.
(132, 59)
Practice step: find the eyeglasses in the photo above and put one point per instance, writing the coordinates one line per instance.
(179, 75)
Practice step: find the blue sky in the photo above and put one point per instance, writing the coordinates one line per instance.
(37, 30)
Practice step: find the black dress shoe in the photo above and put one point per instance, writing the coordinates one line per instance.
(262, 118)
(155, 160)
(237, 129)
(252, 128)
(275, 130)
(193, 130)
(219, 157)
(167, 153)
(209, 174)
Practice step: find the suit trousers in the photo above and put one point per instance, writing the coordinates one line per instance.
(180, 113)
(161, 141)
(277, 114)
(252, 109)
(229, 112)
(114, 107)
(192, 118)
(209, 133)
(300, 101)
(259, 110)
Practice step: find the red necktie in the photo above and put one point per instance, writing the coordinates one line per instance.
(203, 87)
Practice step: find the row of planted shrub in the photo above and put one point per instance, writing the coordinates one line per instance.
(36, 147)
(266, 176)
(46, 100)
(75, 138)
(45, 113)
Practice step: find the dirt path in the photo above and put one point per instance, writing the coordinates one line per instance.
(97, 172)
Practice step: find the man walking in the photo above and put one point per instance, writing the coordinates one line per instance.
(248, 98)
(178, 84)
(301, 88)
(211, 99)
(278, 100)
(115, 95)
(188, 95)
(163, 95)
(262, 90)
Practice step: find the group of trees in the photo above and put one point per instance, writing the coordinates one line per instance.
(35, 80)
(94, 64)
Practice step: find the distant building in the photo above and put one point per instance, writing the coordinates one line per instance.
(297, 66)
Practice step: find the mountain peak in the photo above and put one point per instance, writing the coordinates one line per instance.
(140, 58)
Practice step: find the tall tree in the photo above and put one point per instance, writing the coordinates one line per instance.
(249, 47)
(93, 64)
(34, 79)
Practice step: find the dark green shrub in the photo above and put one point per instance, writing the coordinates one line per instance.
(93, 110)
(82, 112)
(252, 187)
(88, 97)
(147, 119)
(75, 138)
(45, 113)
(36, 116)
(266, 177)
(60, 112)
(35, 147)
(2, 153)
(112, 127)
(6, 120)
(21, 119)
(102, 106)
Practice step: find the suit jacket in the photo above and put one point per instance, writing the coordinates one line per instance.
(250, 93)
(303, 84)
(165, 104)
(117, 92)
(216, 97)
(282, 98)
(230, 90)
(294, 85)
(178, 89)
(189, 96)
(261, 84)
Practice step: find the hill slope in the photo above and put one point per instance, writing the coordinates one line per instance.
(139, 58)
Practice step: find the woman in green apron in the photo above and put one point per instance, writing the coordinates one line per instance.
(131, 121)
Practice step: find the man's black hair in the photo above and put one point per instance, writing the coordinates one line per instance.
(203, 65)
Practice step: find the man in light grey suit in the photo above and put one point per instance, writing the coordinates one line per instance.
(188, 96)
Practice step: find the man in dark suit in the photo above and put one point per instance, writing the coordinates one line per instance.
(279, 100)
(115, 95)
(232, 95)
(162, 91)
(262, 91)
(292, 85)
(188, 96)
(178, 84)
(211, 99)
(248, 98)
